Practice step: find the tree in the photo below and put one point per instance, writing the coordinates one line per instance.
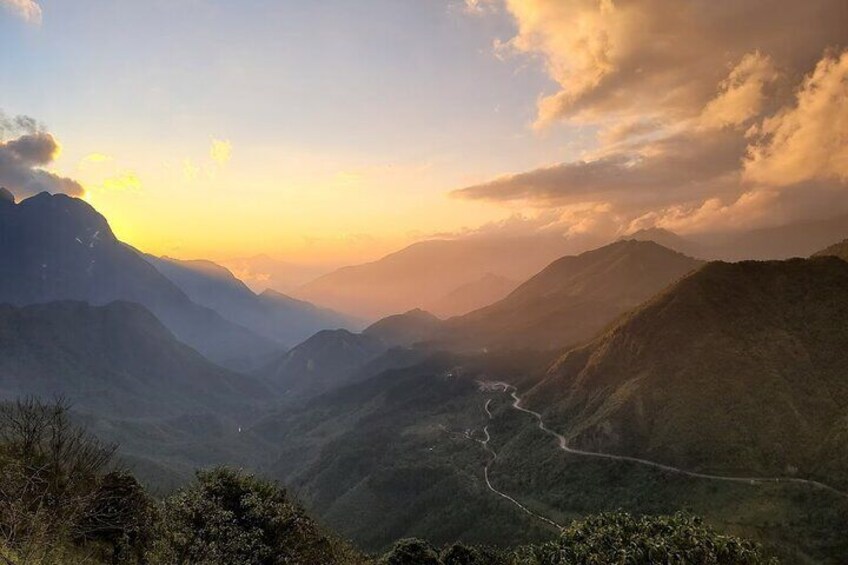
(411, 552)
(229, 517)
(122, 516)
(621, 538)
(461, 554)
(49, 472)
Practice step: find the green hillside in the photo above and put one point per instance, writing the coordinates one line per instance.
(739, 369)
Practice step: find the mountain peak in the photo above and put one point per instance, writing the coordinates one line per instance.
(6, 195)
(404, 329)
(836, 250)
(573, 298)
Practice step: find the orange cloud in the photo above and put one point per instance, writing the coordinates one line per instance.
(703, 120)
(808, 141)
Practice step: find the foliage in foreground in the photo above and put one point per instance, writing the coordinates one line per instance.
(622, 538)
(61, 501)
(232, 517)
(616, 537)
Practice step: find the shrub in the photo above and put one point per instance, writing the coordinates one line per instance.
(621, 538)
(411, 552)
(233, 518)
(49, 473)
(121, 516)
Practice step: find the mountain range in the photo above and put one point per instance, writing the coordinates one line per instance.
(270, 314)
(428, 273)
(631, 349)
(55, 247)
(115, 360)
(571, 299)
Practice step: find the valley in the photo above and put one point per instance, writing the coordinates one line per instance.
(443, 282)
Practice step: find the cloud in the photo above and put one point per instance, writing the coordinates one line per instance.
(742, 95)
(686, 167)
(21, 162)
(29, 10)
(808, 141)
(221, 151)
(127, 181)
(479, 7)
(18, 124)
(95, 159)
(637, 57)
(713, 115)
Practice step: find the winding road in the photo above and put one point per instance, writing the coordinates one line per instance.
(490, 451)
(563, 445)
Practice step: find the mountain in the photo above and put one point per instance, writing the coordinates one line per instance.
(324, 361)
(571, 299)
(115, 360)
(271, 314)
(425, 272)
(836, 250)
(473, 295)
(669, 239)
(738, 369)
(377, 460)
(399, 454)
(55, 247)
(261, 272)
(797, 239)
(404, 329)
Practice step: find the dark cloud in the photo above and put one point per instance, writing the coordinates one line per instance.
(681, 167)
(21, 160)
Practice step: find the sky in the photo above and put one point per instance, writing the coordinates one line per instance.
(336, 131)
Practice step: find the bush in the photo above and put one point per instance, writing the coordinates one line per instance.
(621, 538)
(49, 475)
(411, 552)
(232, 518)
(120, 516)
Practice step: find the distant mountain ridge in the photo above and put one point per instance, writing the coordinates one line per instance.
(271, 314)
(425, 272)
(473, 295)
(836, 250)
(115, 360)
(323, 362)
(55, 247)
(404, 329)
(571, 299)
(737, 369)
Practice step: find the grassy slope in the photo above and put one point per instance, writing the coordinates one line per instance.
(387, 459)
(738, 369)
(573, 298)
(796, 523)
